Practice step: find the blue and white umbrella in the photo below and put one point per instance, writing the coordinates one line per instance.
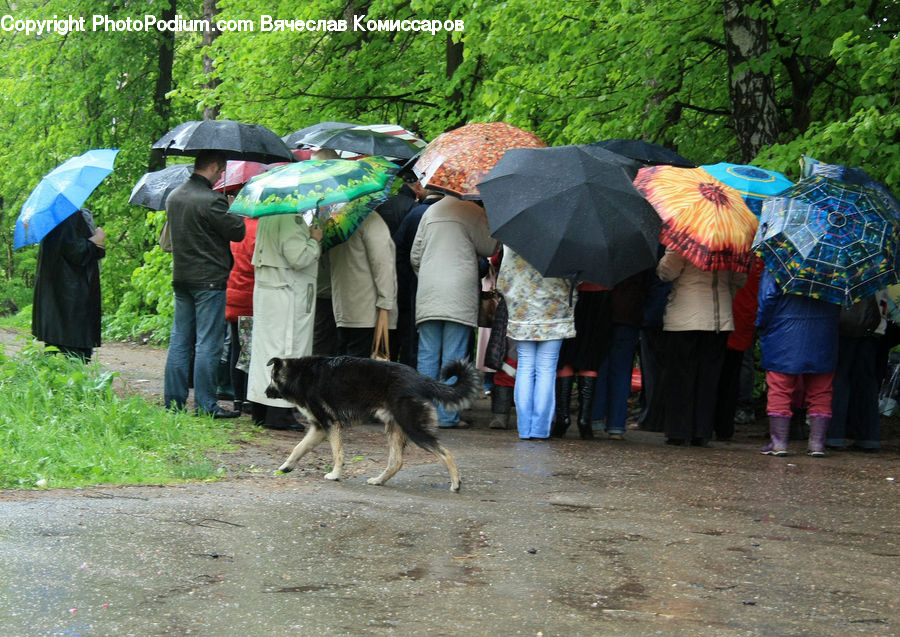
(754, 183)
(60, 193)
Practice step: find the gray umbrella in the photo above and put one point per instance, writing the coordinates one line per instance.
(236, 140)
(152, 190)
(294, 139)
(362, 141)
(647, 153)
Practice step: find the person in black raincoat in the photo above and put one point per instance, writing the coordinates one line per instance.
(66, 311)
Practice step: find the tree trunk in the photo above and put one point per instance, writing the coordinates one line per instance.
(210, 11)
(162, 105)
(754, 110)
(454, 59)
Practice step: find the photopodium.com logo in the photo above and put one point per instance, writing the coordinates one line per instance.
(263, 24)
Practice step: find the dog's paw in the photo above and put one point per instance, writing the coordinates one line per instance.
(333, 475)
(455, 487)
(375, 481)
(285, 468)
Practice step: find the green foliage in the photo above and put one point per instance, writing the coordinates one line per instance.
(62, 424)
(571, 71)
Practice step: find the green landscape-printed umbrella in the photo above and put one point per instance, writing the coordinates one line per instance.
(313, 184)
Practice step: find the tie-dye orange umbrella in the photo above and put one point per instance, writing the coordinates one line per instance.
(703, 219)
(455, 161)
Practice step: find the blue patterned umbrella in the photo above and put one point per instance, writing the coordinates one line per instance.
(829, 240)
(60, 193)
(810, 167)
(754, 183)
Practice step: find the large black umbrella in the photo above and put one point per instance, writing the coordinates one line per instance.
(294, 139)
(647, 153)
(152, 190)
(363, 141)
(572, 212)
(236, 140)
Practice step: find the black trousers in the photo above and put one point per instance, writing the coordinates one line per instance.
(690, 383)
(727, 394)
(355, 341)
(854, 401)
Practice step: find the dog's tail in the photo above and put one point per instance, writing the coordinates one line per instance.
(463, 392)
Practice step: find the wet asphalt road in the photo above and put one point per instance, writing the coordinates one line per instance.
(558, 538)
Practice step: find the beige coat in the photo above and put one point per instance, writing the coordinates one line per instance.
(364, 275)
(451, 236)
(698, 300)
(285, 262)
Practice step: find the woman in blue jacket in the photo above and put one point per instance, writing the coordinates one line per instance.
(798, 337)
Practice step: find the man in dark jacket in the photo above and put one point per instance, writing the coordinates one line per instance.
(66, 311)
(201, 233)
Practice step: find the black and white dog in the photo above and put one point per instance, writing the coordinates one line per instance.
(334, 392)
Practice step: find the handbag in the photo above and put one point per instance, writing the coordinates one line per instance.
(487, 302)
(487, 307)
(495, 353)
(381, 349)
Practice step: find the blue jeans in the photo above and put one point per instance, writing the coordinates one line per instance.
(198, 328)
(441, 342)
(614, 379)
(535, 390)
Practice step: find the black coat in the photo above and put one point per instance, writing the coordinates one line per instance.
(202, 232)
(66, 309)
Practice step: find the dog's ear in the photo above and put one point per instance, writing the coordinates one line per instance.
(274, 361)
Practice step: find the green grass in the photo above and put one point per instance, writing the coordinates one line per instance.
(63, 425)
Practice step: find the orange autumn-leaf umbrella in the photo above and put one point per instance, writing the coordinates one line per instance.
(703, 219)
(455, 161)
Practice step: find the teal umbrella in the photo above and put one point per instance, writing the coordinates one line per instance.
(312, 184)
(339, 192)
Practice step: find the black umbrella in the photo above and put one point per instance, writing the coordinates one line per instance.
(236, 140)
(572, 212)
(647, 153)
(362, 141)
(152, 190)
(293, 140)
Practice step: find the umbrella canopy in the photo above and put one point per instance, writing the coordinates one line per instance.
(152, 190)
(312, 184)
(238, 173)
(572, 212)
(455, 161)
(647, 153)
(810, 167)
(236, 140)
(829, 240)
(293, 140)
(340, 221)
(397, 131)
(61, 192)
(362, 141)
(754, 183)
(703, 219)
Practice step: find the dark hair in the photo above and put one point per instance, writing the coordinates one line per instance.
(206, 158)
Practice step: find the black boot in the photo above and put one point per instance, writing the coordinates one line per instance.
(501, 406)
(563, 398)
(586, 386)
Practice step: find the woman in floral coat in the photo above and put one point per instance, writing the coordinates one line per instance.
(541, 315)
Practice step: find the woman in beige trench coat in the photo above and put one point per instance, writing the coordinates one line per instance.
(285, 263)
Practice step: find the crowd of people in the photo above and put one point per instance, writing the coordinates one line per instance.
(265, 288)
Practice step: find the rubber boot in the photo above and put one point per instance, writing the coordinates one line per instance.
(563, 398)
(818, 427)
(586, 387)
(779, 427)
(501, 406)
